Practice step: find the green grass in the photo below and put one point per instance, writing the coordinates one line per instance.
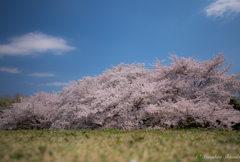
(117, 145)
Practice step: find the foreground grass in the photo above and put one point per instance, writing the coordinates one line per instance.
(118, 145)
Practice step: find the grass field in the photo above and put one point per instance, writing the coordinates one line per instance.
(119, 145)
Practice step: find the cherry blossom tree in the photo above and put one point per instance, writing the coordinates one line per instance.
(188, 93)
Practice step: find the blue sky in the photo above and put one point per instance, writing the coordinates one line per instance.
(44, 44)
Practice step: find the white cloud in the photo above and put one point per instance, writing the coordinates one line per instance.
(9, 70)
(57, 84)
(42, 74)
(34, 43)
(223, 8)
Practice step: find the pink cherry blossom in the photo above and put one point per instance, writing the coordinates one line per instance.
(190, 91)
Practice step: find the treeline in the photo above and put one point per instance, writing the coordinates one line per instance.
(6, 101)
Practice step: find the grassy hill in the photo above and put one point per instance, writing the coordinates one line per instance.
(119, 145)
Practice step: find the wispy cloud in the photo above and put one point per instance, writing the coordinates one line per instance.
(42, 74)
(223, 8)
(29, 83)
(9, 70)
(57, 84)
(34, 43)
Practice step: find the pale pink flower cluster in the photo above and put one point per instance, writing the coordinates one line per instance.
(188, 92)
